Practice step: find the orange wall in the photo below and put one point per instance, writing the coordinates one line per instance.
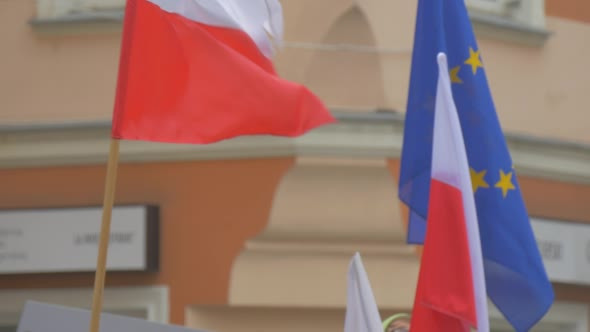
(207, 211)
(578, 10)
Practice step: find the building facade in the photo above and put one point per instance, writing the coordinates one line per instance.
(255, 233)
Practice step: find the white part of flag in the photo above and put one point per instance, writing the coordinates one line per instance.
(257, 18)
(362, 314)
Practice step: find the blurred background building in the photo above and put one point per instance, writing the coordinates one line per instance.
(255, 233)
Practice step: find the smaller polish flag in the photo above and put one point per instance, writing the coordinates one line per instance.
(451, 294)
(200, 71)
(362, 314)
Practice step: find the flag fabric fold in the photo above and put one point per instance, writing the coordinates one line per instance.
(451, 295)
(516, 280)
(199, 71)
(362, 314)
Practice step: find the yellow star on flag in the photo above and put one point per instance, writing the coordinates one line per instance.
(454, 73)
(474, 60)
(477, 180)
(505, 183)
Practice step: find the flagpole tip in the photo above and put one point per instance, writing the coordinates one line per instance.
(441, 58)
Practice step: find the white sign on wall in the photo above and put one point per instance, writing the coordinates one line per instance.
(565, 248)
(66, 240)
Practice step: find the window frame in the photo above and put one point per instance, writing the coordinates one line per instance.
(153, 300)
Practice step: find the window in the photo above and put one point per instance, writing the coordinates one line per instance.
(63, 9)
(149, 303)
(529, 13)
(521, 21)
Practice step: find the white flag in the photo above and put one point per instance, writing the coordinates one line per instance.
(361, 309)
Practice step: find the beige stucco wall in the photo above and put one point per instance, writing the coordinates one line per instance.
(538, 90)
(543, 91)
(53, 78)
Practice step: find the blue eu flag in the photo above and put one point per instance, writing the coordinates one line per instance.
(516, 280)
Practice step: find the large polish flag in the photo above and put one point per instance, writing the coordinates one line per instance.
(451, 294)
(199, 71)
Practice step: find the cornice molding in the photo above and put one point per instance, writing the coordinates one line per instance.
(355, 135)
(370, 135)
(506, 29)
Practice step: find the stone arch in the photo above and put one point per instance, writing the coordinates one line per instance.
(348, 77)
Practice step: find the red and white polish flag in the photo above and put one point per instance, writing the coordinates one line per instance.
(199, 71)
(451, 294)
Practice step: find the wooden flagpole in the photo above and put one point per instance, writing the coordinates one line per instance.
(105, 231)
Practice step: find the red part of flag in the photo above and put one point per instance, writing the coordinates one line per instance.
(444, 297)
